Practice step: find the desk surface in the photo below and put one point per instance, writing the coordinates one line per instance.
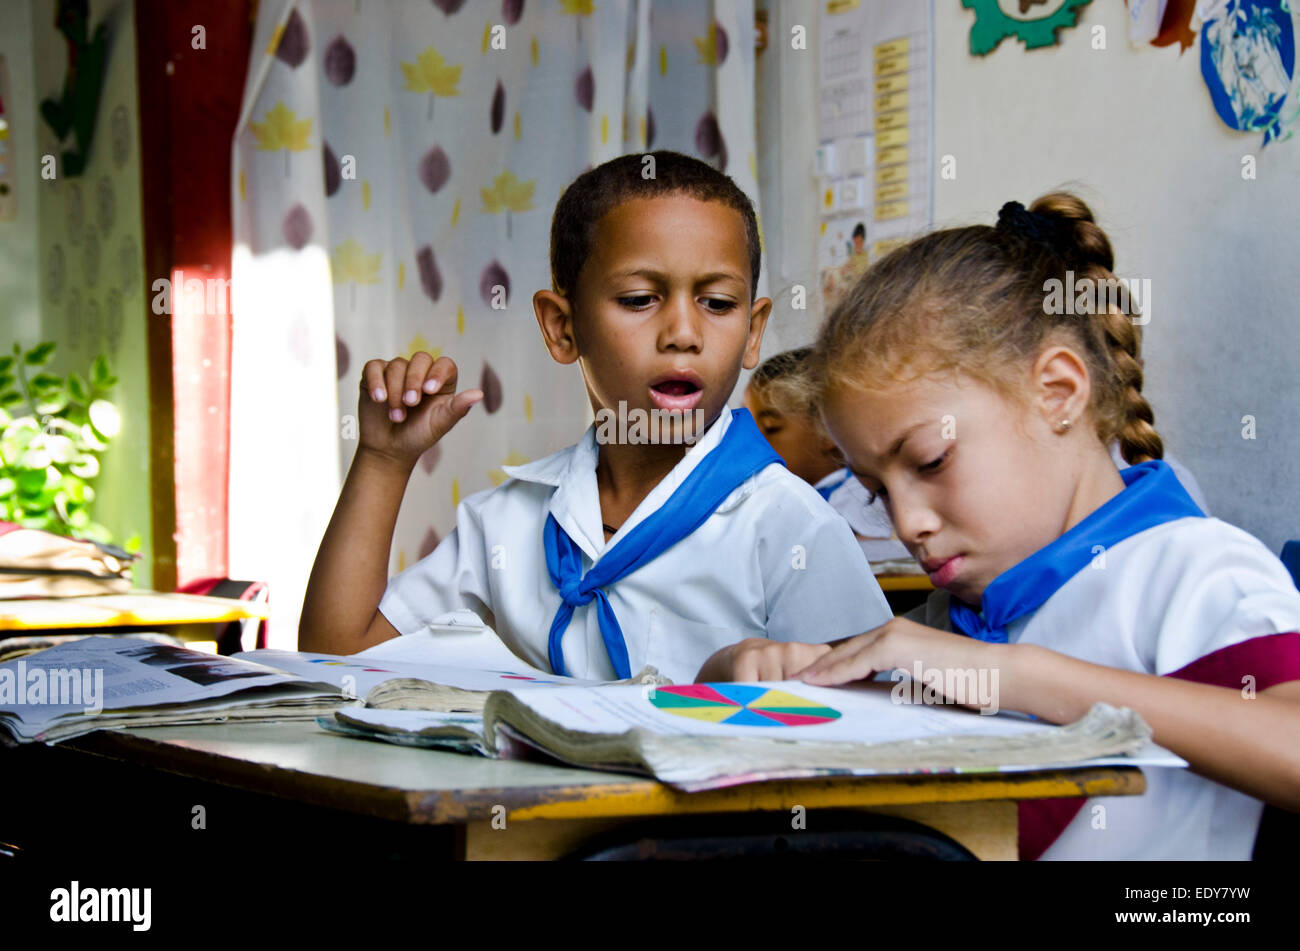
(298, 759)
(117, 610)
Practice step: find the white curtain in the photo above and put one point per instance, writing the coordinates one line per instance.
(393, 163)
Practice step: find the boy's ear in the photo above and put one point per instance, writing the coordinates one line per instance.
(758, 315)
(555, 318)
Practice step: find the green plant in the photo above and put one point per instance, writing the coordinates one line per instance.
(49, 455)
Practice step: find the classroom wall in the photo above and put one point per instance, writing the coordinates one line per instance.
(1133, 130)
(95, 301)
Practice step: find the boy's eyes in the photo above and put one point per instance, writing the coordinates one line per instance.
(641, 301)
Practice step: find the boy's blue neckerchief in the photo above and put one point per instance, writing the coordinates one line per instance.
(1152, 496)
(741, 453)
(825, 491)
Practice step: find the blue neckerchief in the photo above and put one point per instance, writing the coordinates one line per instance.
(825, 491)
(1152, 496)
(740, 454)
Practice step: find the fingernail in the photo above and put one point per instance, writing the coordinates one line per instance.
(379, 394)
(431, 386)
(411, 397)
(397, 415)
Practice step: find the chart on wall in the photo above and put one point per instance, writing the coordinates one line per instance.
(875, 145)
(741, 705)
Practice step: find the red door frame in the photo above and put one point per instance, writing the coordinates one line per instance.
(191, 82)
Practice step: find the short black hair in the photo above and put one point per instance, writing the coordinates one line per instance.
(599, 190)
(860, 231)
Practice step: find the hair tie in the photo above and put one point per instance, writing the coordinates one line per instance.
(1042, 229)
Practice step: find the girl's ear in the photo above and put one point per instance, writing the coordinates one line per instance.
(555, 318)
(1061, 384)
(758, 315)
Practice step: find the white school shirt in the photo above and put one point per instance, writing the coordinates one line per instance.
(867, 518)
(773, 560)
(1162, 599)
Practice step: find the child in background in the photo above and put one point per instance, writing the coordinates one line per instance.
(663, 549)
(1079, 584)
(783, 401)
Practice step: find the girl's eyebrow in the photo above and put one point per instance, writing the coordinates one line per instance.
(897, 447)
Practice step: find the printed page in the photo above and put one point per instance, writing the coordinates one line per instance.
(787, 710)
(97, 674)
(364, 672)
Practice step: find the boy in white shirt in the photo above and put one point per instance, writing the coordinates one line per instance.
(591, 562)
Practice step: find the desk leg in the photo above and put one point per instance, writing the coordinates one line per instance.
(987, 829)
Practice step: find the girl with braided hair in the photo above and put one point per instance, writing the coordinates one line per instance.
(983, 423)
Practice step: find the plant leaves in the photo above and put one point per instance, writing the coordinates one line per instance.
(39, 354)
(78, 389)
(99, 372)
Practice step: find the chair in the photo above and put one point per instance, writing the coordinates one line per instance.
(231, 637)
(837, 833)
(1279, 831)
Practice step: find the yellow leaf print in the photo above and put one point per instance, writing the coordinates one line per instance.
(282, 130)
(707, 46)
(243, 186)
(460, 319)
(528, 407)
(487, 35)
(387, 119)
(274, 44)
(512, 459)
(351, 264)
(577, 9)
(508, 194)
(455, 213)
(418, 343)
(663, 60)
(753, 166)
(455, 492)
(519, 128)
(401, 274)
(365, 196)
(431, 74)
(401, 560)
(604, 129)
(534, 50)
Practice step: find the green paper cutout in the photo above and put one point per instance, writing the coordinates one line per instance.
(992, 26)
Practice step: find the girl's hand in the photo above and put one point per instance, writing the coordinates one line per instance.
(757, 658)
(902, 644)
(408, 405)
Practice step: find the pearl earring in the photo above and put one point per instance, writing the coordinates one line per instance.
(1063, 426)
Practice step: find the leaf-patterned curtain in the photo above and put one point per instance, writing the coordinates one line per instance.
(395, 163)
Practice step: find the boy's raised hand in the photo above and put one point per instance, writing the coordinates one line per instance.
(408, 405)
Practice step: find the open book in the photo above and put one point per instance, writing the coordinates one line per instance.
(101, 682)
(702, 736)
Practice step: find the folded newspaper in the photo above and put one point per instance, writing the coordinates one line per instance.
(703, 736)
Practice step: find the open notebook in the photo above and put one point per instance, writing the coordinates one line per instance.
(702, 736)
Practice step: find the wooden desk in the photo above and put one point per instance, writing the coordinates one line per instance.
(548, 811)
(904, 583)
